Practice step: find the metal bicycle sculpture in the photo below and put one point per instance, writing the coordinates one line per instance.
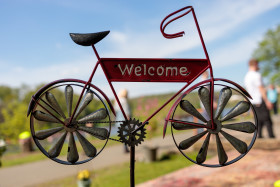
(83, 106)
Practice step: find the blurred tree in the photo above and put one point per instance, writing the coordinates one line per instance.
(15, 120)
(268, 54)
(7, 94)
(13, 110)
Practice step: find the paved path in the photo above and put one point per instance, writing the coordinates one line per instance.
(259, 168)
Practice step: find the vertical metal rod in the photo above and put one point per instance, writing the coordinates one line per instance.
(211, 70)
(212, 102)
(132, 166)
(202, 42)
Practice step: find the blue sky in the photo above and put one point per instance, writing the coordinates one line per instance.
(36, 48)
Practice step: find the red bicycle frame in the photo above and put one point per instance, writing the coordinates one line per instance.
(155, 70)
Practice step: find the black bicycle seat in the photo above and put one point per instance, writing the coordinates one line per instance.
(89, 38)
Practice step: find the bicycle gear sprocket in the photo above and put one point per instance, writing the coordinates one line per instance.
(126, 135)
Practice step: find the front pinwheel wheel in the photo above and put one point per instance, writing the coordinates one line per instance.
(68, 142)
(234, 131)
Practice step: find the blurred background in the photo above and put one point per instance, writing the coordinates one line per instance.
(36, 49)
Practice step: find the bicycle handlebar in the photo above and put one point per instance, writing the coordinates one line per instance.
(164, 25)
(189, 9)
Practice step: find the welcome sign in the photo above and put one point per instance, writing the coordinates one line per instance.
(153, 70)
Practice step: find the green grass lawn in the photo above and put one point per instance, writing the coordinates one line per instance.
(118, 175)
(17, 158)
(13, 159)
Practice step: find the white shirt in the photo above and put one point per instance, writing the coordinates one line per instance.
(253, 80)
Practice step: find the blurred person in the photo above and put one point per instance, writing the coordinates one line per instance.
(123, 97)
(272, 96)
(25, 141)
(2, 148)
(254, 85)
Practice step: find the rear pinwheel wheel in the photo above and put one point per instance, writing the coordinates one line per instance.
(63, 141)
(234, 120)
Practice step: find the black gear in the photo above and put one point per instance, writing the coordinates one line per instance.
(126, 129)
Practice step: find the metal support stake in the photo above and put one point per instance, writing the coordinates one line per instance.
(132, 166)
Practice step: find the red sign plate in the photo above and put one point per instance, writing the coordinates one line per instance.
(152, 70)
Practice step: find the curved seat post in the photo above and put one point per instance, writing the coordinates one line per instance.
(95, 51)
(96, 65)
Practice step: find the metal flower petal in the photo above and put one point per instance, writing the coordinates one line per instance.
(54, 104)
(221, 151)
(247, 127)
(43, 134)
(224, 97)
(56, 148)
(72, 155)
(189, 108)
(89, 149)
(95, 116)
(204, 95)
(86, 100)
(42, 116)
(239, 145)
(69, 99)
(240, 108)
(201, 156)
(190, 125)
(185, 144)
(100, 133)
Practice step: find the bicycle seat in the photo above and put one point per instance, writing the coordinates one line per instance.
(89, 38)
